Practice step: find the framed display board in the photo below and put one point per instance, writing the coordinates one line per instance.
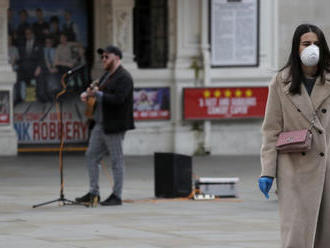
(224, 103)
(234, 32)
(152, 103)
(41, 32)
(4, 107)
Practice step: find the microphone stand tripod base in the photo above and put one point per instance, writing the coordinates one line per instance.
(61, 202)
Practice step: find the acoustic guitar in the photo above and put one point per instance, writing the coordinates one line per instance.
(90, 103)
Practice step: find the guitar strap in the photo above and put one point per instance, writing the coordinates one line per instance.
(105, 78)
(103, 82)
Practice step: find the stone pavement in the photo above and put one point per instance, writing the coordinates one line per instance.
(250, 222)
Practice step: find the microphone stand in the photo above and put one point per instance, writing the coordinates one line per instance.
(59, 111)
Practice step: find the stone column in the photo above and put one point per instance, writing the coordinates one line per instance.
(205, 51)
(122, 30)
(187, 49)
(102, 32)
(8, 138)
(113, 24)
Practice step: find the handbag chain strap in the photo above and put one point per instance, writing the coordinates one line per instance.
(313, 121)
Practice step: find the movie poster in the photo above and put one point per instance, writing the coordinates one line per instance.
(152, 103)
(4, 107)
(46, 39)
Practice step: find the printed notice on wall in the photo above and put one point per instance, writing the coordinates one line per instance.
(4, 107)
(234, 32)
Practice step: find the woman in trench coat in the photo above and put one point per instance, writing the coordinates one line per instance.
(299, 90)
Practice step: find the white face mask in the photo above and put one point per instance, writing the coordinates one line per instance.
(310, 55)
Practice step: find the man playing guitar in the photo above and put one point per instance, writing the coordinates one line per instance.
(113, 116)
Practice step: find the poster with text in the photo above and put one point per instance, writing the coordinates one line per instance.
(4, 107)
(224, 103)
(152, 103)
(46, 39)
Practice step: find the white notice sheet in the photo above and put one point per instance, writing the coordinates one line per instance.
(234, 32)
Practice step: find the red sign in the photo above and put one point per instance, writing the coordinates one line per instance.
(4, 118)
(220, 103)
(4, 107)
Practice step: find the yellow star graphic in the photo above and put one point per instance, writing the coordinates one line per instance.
(248, 93)
(228, 93)
(217, 93)
(238, 93)
(207, 93)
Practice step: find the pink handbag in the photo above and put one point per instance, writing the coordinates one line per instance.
(295, 141)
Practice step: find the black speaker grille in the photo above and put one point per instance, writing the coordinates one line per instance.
(173, 175)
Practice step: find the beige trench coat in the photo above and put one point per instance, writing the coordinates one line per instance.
(303, 179)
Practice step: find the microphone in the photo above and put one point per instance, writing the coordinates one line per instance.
(75, 69)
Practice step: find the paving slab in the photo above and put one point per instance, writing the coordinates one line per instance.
(249, 221)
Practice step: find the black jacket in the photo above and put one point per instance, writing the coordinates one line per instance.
(117, 102)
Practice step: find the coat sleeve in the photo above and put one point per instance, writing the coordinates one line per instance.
(271, 128)
(121, 92)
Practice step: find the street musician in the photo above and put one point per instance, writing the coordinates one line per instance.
(112, 117)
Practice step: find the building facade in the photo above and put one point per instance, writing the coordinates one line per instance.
(176, 52)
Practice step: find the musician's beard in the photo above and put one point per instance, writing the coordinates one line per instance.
(110, 66)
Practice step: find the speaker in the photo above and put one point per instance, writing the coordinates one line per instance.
(173, 175)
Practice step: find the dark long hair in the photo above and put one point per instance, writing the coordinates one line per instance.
(294, 62)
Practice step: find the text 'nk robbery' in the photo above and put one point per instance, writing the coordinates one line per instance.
(51, 131)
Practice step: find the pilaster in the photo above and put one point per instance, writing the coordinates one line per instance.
(113, 25)
(8, 138)
(122, 29)
(205, 51)
(187, 50)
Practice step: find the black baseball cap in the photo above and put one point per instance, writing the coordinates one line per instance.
(110, 49)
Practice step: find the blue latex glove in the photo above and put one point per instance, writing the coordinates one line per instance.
(265, 183)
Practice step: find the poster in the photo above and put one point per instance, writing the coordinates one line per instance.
(152, 103)
(234, 32)
(224, 103)
(4, 107)
(46, 39)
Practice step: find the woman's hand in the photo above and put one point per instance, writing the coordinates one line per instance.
(265, 184)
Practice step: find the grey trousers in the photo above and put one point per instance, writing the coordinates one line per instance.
(101, 144)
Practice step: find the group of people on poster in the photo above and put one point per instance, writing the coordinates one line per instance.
(41, 52)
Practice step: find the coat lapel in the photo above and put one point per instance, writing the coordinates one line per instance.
(303, 103)
(320, 91)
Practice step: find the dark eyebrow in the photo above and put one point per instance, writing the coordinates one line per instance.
(307, 41)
